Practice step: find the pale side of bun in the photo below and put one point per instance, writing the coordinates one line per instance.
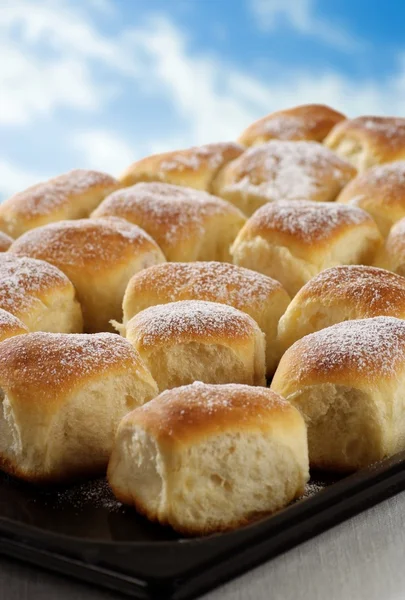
(282, 170)
(194, 167)
(304, 122)
(5, 241)
(99, 256)
(192, 340)
(62, 398)
(392, 255)
(187, 224)
(347, 381)
(340, 294)
(206, 458)
(293, 241)
(72, 195)
(261, 297)
(381, 192)
(368, 141)
(10, 325)
(39, 294)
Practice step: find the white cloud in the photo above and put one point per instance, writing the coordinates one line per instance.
(103, 150)
(14, 178)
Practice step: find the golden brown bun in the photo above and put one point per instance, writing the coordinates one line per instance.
(293, 241)
(39, 294)
(72, 195)
(261, 297)
(5, 241)
(99, 256)
(191, 340)
(392, 255)
(381, 192)
(198, 457)
(10, 325)
(193, 167)
(347, 381)
(305, 122)
(282, 170)
(340, 294)
(187, 224)
(368, 141)
(62, 398)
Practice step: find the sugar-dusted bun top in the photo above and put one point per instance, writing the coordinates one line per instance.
(383, 185)
(194, 166)
(285, 170)
(188, 321)
(10, 325)
(352, 352)
(305, 122)
(85, 243)
(44, 367)
(371, 290)
(200, 409)
(5, 241)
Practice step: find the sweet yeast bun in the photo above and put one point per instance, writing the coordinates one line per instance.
(39, 294)
(205, 458)
(340, 294)
(347, 381)
(98, 255)
(187, 224)
(261, 297)
(62, 397)
(193, 167)
(10, 325)
(392, 255)
(72, 195)
(381, 192)
(293, 241)
(192, 340)
(282, 170)
(368, 141)
(304, 122)
(5, 241)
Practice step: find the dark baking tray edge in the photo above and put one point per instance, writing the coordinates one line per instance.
(182, 570)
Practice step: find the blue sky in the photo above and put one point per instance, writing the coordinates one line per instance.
(99, 83)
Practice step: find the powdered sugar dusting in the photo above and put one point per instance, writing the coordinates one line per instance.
(389, 127)
(212, 155)
(9, 322)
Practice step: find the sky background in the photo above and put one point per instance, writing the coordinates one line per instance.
(101, 83)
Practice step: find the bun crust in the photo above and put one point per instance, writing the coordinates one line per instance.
(283, 170)
(98, 255)
(193, 167)
(187, 224)
(182, 342)
(10, 325)
(62, 399)
(196, 457)
(293, 241)
(305, 122)
(347, 381)
(5, 241)
(261, 297)
(72, 195)
(369, 141)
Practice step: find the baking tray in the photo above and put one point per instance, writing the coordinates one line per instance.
(83, 532)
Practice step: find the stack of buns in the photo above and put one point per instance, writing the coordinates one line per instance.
(142, 319)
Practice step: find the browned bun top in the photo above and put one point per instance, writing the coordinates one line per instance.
(5, 241)
(10, 325)
(305, 122)
(197, 410)
(383, 185)
(193, 167)
(40, 369)
(285, 170)
(350, 353)
(92, 244)
(189, 321)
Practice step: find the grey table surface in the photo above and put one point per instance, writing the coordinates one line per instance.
(362, 558)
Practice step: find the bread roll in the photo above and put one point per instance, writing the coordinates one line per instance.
(39, 294)
(368, 141)
(261, 297)
(282, 170)
(5, 241)
(293, 241)
(187, 224)
(392, 255)
(381, 192)
(183, 342)
(62, 398)
(340, 294)
(72, 195)
(99, 256)
(347, 381)
(10, 325)
(305, 122)
(193, 167)
(205, 458)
